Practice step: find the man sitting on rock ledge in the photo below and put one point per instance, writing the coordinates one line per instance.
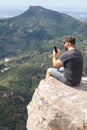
(71, 60)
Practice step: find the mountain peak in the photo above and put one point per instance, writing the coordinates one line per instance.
(40, 9)
(35, 7)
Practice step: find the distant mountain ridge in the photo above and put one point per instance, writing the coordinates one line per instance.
(36, 25)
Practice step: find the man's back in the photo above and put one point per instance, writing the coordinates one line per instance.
(73, 66)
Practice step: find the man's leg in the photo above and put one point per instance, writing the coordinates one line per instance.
(55, 73)
(48, 73)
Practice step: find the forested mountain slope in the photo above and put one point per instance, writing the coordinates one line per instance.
(34, 26)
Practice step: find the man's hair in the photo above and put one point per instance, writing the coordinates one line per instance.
(70, 39)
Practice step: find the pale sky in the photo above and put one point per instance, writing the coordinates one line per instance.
(50, 4)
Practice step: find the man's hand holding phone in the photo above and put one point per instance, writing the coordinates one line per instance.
(56, 51)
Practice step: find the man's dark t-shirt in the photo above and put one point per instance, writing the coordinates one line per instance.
(73, 66)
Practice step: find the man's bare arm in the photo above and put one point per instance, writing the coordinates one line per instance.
(56, 63)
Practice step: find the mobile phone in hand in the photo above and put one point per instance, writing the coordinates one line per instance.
(55, 48)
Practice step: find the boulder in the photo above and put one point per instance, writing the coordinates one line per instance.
(56, 106)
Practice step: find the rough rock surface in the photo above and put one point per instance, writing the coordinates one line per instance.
(56, 106)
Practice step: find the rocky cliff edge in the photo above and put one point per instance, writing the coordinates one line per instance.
(56, 106)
